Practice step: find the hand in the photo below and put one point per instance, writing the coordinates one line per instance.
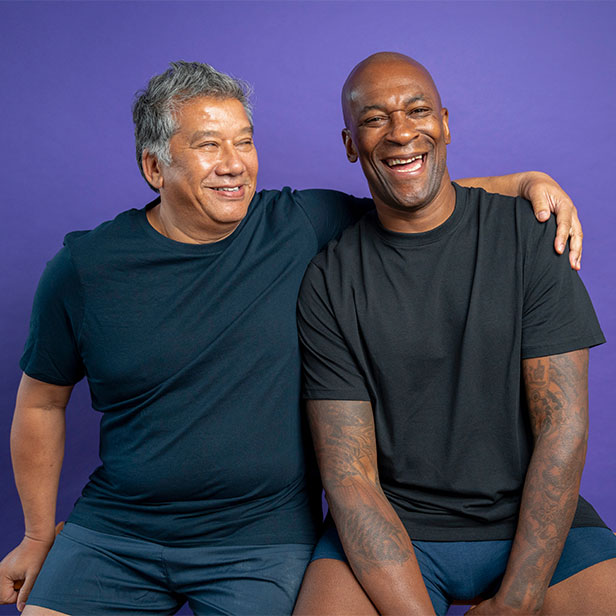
(547, 197)
(19, 569)
(494, 607)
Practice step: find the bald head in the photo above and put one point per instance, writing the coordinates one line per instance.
(396, 127)
(378, 69)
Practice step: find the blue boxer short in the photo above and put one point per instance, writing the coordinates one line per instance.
(93, 573)
(464, 570)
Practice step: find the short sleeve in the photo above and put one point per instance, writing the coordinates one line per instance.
(329, 370)
(558, 315)
(51, 352)
(330, 211)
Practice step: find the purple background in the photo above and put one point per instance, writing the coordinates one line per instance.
(528, 86)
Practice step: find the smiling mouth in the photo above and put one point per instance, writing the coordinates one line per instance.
(229, 189)
(413, 163)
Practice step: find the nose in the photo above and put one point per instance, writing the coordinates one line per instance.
(402, 129)
(231, 162)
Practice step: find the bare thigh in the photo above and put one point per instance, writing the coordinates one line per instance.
(331, 588)
(35, 610)
(589, 592)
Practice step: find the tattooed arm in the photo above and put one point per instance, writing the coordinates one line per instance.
(557, 395)
(374, 539)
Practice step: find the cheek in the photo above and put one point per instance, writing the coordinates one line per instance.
(253, 165)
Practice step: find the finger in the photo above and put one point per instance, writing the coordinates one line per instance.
(563, 231)
(541, 207)
(575, 244)
(24, 592)
(8, 592)
(575, 252)
(59, 527)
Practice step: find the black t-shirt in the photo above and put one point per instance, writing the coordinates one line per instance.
(432, 328)
(191, 356)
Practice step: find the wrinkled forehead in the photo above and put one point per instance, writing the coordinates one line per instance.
(215, 110)
(386, 82)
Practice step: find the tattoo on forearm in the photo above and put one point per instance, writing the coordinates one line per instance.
(556, 390)
(344, 439)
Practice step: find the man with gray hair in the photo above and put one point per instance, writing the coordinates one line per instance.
(182, 317)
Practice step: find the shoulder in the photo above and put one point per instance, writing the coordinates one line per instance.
(324, 212)
(311, 199)
(286, 205)
(125, 221)
(340, 257)
(503, 204)
(478, 198)
(503, 215)
(59, 274)
(123, 230)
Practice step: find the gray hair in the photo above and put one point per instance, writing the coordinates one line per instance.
(155, 108)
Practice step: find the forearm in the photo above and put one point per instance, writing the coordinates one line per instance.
(37, 450)
(374, 539)
(549, 501)
(378, 549)
(513, 184)
(551, 488)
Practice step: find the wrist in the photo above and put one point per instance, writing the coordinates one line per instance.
(42, 535)
(521, 602)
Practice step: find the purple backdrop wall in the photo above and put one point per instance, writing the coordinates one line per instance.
(528, 86)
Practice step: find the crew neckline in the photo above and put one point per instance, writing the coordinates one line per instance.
(185, 247)
(426, 237)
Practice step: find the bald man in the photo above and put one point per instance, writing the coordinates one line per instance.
(450, 423)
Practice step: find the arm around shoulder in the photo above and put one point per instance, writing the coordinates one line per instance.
(546, 197)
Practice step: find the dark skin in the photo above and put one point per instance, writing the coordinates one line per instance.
(398, 130)
(393, 113)
(557, 398)
(374, 539)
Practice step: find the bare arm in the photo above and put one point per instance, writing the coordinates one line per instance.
(547, 197)
(557, 394)
(37, 449)
(374, 539)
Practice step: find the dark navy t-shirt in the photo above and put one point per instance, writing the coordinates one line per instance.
(192, 358)
(432, 329)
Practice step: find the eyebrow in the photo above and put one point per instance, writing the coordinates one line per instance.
(249, 130)
(406, 103)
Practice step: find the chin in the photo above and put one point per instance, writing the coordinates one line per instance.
(407, 203)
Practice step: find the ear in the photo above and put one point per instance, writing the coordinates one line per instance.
(151, 169)
(351, 152)
(445, 120)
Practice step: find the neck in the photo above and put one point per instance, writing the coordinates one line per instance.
(423, 218)
(182, 229)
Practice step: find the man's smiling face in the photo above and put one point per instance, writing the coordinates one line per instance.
(213, 173)
(398, 130)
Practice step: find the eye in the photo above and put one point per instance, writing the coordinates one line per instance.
(208, 145)
(419, 111)
(374, 120)
(245, 144)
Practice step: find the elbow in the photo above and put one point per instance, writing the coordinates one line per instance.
(567, 442)
(351, 493)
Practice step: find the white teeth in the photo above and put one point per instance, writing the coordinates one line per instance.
(224, 189)
(402, 161)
